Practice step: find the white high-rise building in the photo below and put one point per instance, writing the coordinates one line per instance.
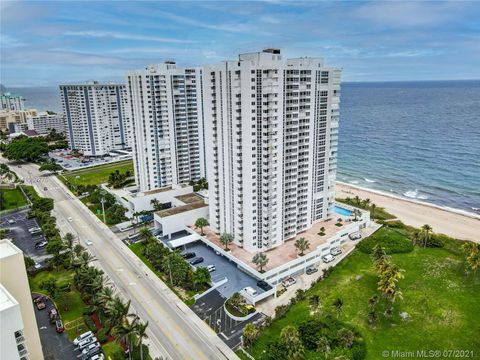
(97, 117)
(12, 102)
(271, 132)
(167, 122)
(19, 338)
(44, 122)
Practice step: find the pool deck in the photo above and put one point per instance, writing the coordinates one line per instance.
(287, 251)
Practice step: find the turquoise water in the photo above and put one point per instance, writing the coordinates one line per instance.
(342, 211)
(419, 140)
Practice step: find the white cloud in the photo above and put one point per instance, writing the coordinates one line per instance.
(122, 36)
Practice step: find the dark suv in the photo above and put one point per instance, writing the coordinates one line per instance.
(189, 255)
(263, 285)
(196, 261)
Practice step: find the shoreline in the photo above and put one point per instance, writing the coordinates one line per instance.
(456, 223)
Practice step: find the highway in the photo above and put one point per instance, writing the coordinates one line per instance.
(175, 332)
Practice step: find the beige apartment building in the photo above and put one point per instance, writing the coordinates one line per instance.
(16, 116)
(19, 338)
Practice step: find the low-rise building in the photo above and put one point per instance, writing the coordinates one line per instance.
(15, 116)
(44, 122)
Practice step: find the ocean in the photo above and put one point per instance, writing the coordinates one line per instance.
(418, 140)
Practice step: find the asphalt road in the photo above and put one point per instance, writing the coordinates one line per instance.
(175, 332)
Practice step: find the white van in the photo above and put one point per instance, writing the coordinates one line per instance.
(81, 337)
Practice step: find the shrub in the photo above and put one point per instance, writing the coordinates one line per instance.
(310, 332)
(89, 322)
(390, 239)
(281, 311)
(102, 336)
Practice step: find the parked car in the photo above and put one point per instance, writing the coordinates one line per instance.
(97, 357)
(91, 349)
(85, 342)
(211, 268)
(88, 242)
(45, 188)
(355, 236)
(288, 281)
(41, 244)
(53, 315)
(188, 255)
(41, 305)
(11, 221)
(328, 258)
(196, 261)
(250, 291)
(335, 251)
(39, 298)
(37, 265)
(81, 337)
(311, 270)
(263, 285)
(59, 326)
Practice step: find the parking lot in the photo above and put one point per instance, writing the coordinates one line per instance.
(236, 278)
(55, 346)
(70, 162)
(21, 237)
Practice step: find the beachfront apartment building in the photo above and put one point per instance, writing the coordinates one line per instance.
(167, 123)
(8, 117)
(271, 135)
(97, 117)
(19, 338)
(12, 102)
(43, 122)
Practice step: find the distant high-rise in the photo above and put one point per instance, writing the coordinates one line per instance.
(97, 117)
(12, 102)
(44, 122)
(271, 133)
(167, 122)
(19, 338)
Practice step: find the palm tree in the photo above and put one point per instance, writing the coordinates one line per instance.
(261, 260)
(200, 224)
(389, 277)
(145, 234)
(69, 242)
(141, 334)
(226, 239)
(201, 276)
(472, 255)
(84, 259)
(250, 334)
(302, 245)
(346, 337)
(236, 300)
(117, 310)
(416, 236)
(338, 305)
(314, 303)
(125, 331)
(373, 207)
(357, 200)
(290, 337)
(105, 295)
(426, 231)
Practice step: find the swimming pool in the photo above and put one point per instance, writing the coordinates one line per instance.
(343, 211)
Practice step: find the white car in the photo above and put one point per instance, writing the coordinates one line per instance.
(11, 221)
(211, 268)
(328, 258)
(250, 291)
(90, 348)
(85, 342)
(70, 219)
(288, 281)
(37, 265)
(88, 242)
(335, 251)
(82, 337)
(97, 357)
(355, 236)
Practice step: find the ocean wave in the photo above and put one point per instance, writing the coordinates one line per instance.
(476, 209)
(370, 180)
(413, 194)
(354, 182)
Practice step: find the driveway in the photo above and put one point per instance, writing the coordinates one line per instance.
(55, 346)
(236, 278)
(21, 237)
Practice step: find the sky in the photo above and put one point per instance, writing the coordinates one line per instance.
(49, 43)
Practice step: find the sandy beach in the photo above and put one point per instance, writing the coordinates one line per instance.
(416, 213)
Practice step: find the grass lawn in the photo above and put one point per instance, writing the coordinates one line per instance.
(111, 348)
(96, 175)
(444, 307)
(70, 304)
(12, 199)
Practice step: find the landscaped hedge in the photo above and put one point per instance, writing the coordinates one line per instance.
(392, 240)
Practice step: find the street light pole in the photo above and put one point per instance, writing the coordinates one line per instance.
(103, 209)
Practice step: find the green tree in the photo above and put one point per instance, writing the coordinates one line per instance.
(261, 260)
(302, 245)
(472, 255)
(338, 306)
(50, 166)
(27, 149)
(51, 288)
(426, 234)
(250, 334)
(145, 234)
(323, 346)
(226, 239)
(201, 276)
(126, 332)
(314, 303)
(373, 207)
(200, 223)
(141, 335)
(290, 337)
(115, 214)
